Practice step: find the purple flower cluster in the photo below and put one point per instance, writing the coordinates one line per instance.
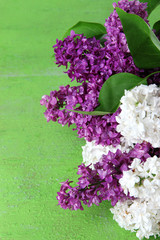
(116, 43)
(91, 65)
(86, 59)
(102, 183)
(100, 129)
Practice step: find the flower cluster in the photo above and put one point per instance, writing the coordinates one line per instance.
(86, 58)
(138, 216)
(139, 118)
(142, 181)
(116, 45)
(95, 186)
(88, 61)
(101, 182)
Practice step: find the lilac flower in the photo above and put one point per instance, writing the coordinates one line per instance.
(102, 183)
(120, 58)
(93, 186)
(88, 61)
(116, 41)
(100, 129)
(85, 58)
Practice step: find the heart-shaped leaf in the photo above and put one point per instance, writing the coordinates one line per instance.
(152, 4)
(142, 42)
(89, 30)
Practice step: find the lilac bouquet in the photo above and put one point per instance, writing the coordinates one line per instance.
(116, 109)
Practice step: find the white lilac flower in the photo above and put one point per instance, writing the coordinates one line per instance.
(93, 153)
(143, 179)
(140, 216)
(139, 119)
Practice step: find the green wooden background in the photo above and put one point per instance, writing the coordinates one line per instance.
(35, 155)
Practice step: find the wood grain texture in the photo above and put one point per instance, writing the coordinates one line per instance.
(35, 156)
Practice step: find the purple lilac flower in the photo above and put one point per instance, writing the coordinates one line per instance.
(85, 58)
(88, 61)
(120, 58)
(102, 183)
(116, 41)
(101, 129)
(91, 65)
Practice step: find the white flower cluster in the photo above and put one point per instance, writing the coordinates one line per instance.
(93, 153)
(143, 179)
(138, 216)
(139, 119)
(142, 215)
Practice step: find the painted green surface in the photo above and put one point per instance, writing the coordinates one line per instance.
(35, 155)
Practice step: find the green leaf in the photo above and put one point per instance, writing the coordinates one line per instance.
(156, 27)
(143, 43)
(152, 4)
(113, 89)
(89, 30)
(154, 16)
